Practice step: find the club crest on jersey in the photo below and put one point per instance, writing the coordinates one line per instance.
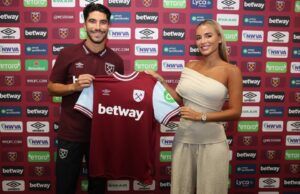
(109, 68)
(63, 153)
(138, 95)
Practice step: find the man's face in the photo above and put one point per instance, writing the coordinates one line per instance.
(96, 26)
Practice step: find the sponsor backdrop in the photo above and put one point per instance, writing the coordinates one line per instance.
(263, 40)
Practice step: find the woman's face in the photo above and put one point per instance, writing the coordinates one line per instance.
(207, 39)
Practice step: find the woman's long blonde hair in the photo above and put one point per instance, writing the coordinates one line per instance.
(222, 46)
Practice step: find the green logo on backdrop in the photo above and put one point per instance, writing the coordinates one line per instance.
(165, 156)
(142, 65)
(297, 6)
(231, 35)
(10, 65)
(174, 4)
(36, 65)
(82, 34)
(84, 185)
(35, 3)
(247, 126)
(56, 99)
(276, 67)
(38, 156)
(292, 154)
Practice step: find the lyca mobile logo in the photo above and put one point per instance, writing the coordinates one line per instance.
(201, 4)
(245, 183)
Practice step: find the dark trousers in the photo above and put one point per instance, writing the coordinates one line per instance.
(68, 166)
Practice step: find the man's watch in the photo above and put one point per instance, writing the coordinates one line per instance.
(203, 117)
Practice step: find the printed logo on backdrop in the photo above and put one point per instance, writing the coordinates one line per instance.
(228, 5)
(35, 17)
(194, 51)
(274, 97)
(278, 37)
(11, 141)
(273, 111)
(174, 18)
(275, 82)
(272, 140)
(119, 3)
(36, 33)
(36, 65)
(231, 35)
(63, 3)
(37, 126)
(10, 65)
(38, 156)
(292, 140)
(250, 111)
(292, 168)
(12, 170)
(245, 169)
(13, 185)
(253, 20)
(173, 34)
(12, 156)
(39, 186)
(141, 65)
(166, 141)
(247, 140)
(11, 126)
(164, 184)
(146, 33)
(119, 34)
(294, 97)
(294, 112)
(9, 17)
(296, 37)
(279, 21)
(147, 3)
(246, 155)
(56, 48)
(291, 182)
(292, 154)
(145, 49)
(10, 49)
(63, 33)
(36, 80)
(277, 52)
(10, 80)
(172, 65)
(251, 66)
(244, 183)
(10, 111)
(271, 154)
(173, 50)
(251, 51)
(146, 18)
(9, 33)
(63, 17)
(252, 36)
(296, 52)
(118, 185)
(38, 142)
(251, 96)
(36, 49)
(39, 3)
(170, 128)
(9, 3)
(120, 17)
(121, 49)
(251, 82)
(165, 156)
(231, 50)
(293, 126)
(140, 186)
(254, 5)
(10, 96)
(200, 4)
(196, 18)
(228, 19)
(165, 170)
(179, 4)
(294, 82)
(269, 168)
(280, 6)
(248, 126)
(270, 182)
(37, 111)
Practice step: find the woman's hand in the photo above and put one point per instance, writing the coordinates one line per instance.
(189, 113)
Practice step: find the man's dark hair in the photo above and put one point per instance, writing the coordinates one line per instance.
(96, 7)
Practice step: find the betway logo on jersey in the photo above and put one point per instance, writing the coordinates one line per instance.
(293, 126)
(292, 140)
(9, 33)
(270, 182)
(120, 111)
(278, 36)
(119, 34)
(172, 65)
(10, 49)
(166, 141)
(38, 142)
(36, 33)
(146, 18)
(251, 96)
(173, 34)
(252, 36)
(277, 52)
(272, 126)
(146, 49)
(11, 126)
(146, 33)
(257, 5)
(228, 5)
(9, 17)
(228, 19)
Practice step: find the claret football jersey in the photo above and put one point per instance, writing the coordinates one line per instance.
(125, 110)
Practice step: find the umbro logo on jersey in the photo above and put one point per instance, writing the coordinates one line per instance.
(119, 111)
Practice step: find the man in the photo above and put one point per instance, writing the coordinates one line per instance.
(74, 70)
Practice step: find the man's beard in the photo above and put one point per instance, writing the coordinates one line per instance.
(96, 41)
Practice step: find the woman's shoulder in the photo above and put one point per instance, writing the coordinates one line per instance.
(192, 64)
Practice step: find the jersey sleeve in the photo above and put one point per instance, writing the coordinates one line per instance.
(84, 103)
(165, 107)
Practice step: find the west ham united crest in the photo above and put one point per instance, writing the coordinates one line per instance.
(138, 95)
(109, 68)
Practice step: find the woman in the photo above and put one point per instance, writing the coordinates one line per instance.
(200, 153)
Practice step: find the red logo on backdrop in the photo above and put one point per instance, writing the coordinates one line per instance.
(63, 32)
(7, 2)
(275, 82)
(271, 154)
(297, 96)
(147, 3)
(251, 66)
(12, 156)
(280, 4)
(174, 17)
(9, 80)
(37, 96)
